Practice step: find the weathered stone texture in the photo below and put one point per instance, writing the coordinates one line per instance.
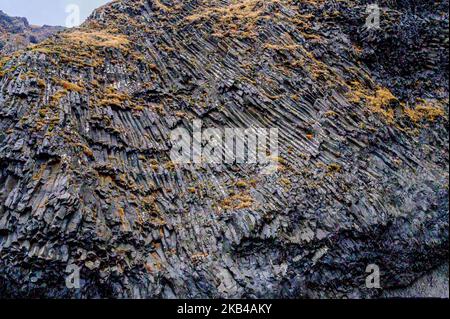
(86, 177)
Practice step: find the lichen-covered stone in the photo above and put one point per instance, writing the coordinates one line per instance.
(86, 177)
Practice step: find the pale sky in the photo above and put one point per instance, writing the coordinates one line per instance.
(50, 12)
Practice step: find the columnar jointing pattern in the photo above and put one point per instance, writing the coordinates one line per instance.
(86, 178)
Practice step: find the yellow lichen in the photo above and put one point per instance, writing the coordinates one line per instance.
(238, 17)
(97, 38)
(378, 102)
(69, 86)
(237, 202)
(334, 168)
(242, 184)
(428, 110)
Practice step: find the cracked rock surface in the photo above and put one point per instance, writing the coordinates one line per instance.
(86, 177)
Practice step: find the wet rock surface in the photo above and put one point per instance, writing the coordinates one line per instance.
(86, 177)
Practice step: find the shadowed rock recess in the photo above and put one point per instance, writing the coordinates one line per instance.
(86, 177)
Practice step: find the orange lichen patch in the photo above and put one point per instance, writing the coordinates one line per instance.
(241, 184)
(162, 6)
(180, 114)
(27, 75)
(89, 45)
(3, 61)
(159, 222)
(123, 220)
(139, 108)
(378, 102)
(428, 110)
(86, 150)
(114, 98)
(58, 96)
(41, 83)
(334, 168)
(330, 114)
(314, 66)
(97, 38)
(279, 47)
(356, 92)
(121, 213)
(245, 9)
(381, 98)
(286, 182)
(170, 166)
(238, 202)
(381, 101)
(149, 204)
(69, 86)
(239, 17)
(105, 180)
(312, 37)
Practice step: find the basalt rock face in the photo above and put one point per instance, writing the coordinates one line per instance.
(16, 33)
(86, 177)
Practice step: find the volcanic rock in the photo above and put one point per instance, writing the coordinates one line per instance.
(87, 180)
(16, 33)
